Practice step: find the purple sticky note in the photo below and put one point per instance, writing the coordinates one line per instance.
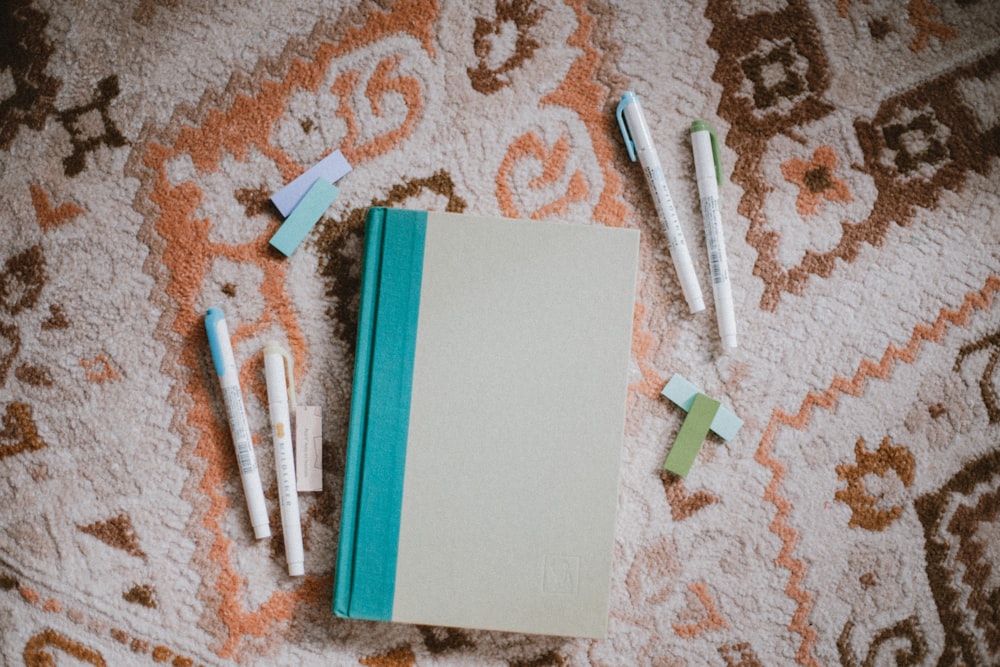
(331, 169)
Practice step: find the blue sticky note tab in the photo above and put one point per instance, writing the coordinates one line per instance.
(682, 393)
(305, 216)
(330, 169)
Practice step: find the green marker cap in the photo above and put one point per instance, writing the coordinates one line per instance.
(701, 126)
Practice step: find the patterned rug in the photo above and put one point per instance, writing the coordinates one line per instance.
(855, 518)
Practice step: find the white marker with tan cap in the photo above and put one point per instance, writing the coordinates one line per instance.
(278, 392)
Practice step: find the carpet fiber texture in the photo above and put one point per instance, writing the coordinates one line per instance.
(854, 519)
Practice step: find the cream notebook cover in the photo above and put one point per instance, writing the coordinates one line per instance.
(486, 423)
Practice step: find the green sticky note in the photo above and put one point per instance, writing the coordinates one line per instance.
(692, 434)
(305, 216)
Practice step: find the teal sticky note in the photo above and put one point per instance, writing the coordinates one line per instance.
(682, 393)
(304, 216)
(692, 434)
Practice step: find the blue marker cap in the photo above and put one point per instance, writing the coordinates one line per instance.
(213, 318)
(627, 99)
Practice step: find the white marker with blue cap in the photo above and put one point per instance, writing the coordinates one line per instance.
(225, 368)
(639, 143)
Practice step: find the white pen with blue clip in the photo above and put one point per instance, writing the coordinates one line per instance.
(225, 368)
(278, 393)
(709, 175)
(639, 143)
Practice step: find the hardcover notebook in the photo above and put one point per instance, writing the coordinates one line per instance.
(486, 423)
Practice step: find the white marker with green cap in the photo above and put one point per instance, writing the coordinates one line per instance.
(709, 175)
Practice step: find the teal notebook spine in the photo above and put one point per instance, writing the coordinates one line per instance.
(380, 404)
(359, 404)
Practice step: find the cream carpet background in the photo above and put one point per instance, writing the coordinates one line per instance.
(855, 519)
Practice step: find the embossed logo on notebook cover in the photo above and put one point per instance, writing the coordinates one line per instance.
(562, 575)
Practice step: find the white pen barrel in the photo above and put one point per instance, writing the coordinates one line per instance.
(675, 236)
(657, 182)
(725, 314)
(240, 430)
(704, 164)
(277, 400)
(249, 474)
(708, 191)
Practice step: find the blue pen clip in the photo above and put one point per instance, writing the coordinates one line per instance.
(627, 99)
(701, 126)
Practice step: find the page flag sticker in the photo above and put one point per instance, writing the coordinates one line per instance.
(309, 447)
(681, 392)
(692, 434)
(305, 216)
(330, 169)
(704, 414)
